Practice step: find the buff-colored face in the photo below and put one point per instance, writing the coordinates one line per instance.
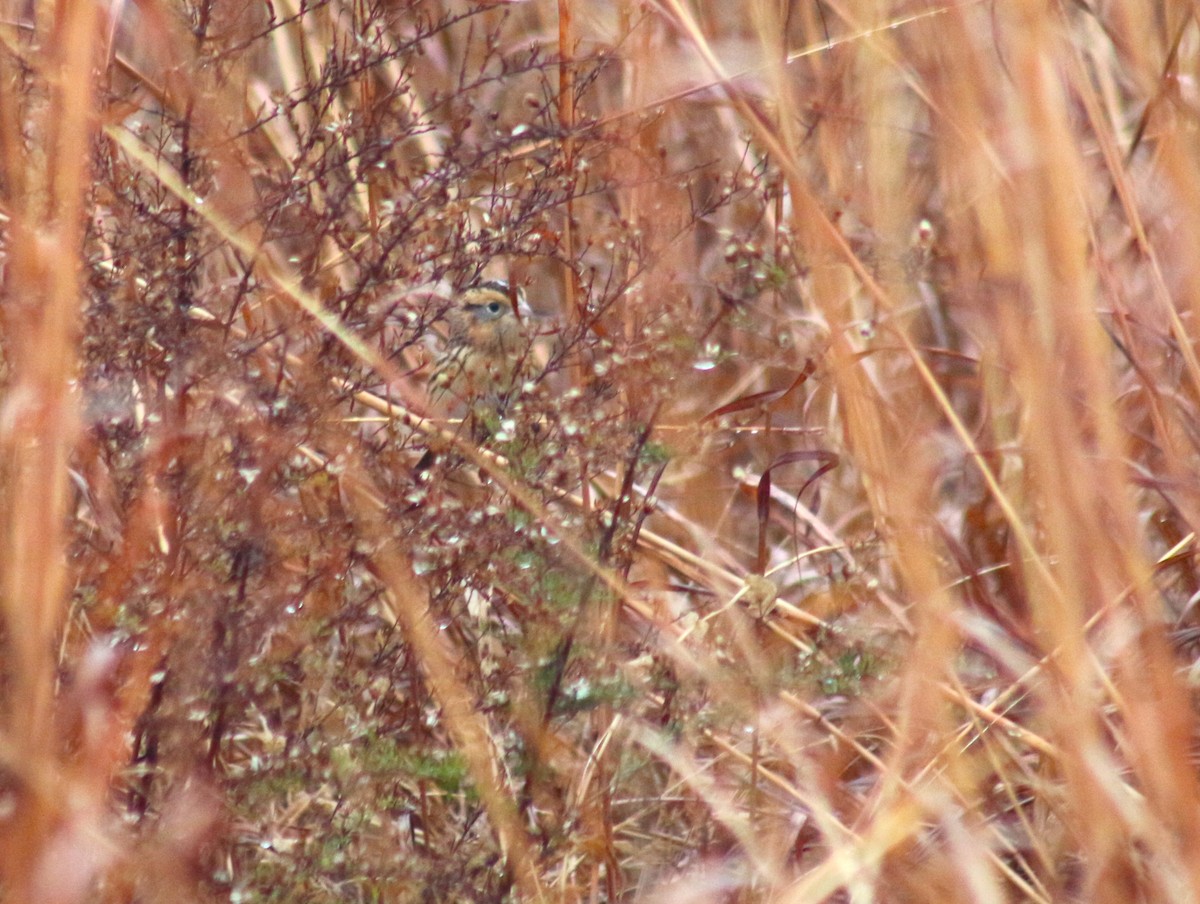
(486, 345)
(484, 320)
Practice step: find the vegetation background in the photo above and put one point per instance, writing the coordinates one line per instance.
(841, 548)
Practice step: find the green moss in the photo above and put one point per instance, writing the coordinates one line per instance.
(444, 768)
(654, 455)
(849, 671)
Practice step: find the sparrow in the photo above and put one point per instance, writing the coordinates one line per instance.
(486, 352)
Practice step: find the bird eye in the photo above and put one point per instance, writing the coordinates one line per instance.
(495, 307)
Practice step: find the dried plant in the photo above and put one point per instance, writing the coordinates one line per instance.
(832, 541)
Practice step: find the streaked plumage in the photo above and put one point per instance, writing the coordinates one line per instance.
(486, 349)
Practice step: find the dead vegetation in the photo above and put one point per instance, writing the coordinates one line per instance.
(839, 547)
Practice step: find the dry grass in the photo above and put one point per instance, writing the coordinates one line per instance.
(842, 548)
